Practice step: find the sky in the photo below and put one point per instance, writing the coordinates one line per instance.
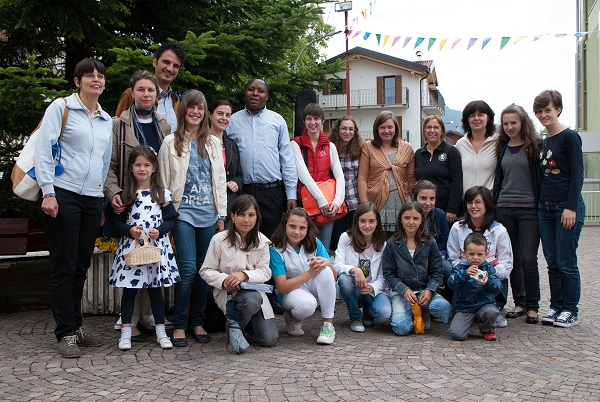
(516, 73)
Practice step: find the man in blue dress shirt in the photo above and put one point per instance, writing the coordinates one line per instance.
(267, 159)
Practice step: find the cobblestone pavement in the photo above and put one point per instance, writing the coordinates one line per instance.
(529, 362)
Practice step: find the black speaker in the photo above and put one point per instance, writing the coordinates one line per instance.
(302, 100)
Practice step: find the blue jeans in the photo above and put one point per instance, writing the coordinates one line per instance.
(523, 228)
(402, 316)
(560, 250)
(248, 303)
(191, 243)
(378, 307)
(325, 233)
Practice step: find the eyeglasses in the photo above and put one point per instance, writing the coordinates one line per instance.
(436, 128)
(477, 203)
(92, 76)
(349, 129)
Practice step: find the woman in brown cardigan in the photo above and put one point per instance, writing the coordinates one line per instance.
(386, 171)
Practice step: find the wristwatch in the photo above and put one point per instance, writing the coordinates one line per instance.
(222, 217)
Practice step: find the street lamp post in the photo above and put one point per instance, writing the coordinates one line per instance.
(346, 6)
(310, 44)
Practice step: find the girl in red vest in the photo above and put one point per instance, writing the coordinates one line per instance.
(317, 160)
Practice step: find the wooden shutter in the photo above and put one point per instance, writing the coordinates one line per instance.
(380, 90)
(399, 120)
(398, 89)
(343, 86)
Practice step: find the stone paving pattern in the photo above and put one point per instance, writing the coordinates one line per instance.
(528, 362)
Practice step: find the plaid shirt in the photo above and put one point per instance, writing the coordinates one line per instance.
(350, 168)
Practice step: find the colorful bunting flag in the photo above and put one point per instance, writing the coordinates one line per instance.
(471, 42)
(396, 39)
(356, 34)
(504, 41)
(431, 42)
(418, 42)
(406, 41)
(519, 39)
(385, 39)
(442, 43)
(536, 37)
(367, 34)
(456, 42)
(378, 36)
(485, 42)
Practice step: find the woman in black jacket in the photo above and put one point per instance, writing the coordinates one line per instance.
(219, 114)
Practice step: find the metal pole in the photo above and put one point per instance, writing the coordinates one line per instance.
(347, 66)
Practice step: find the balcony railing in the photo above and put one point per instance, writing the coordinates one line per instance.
(433, 99)
(362, 98)
(591, 199)
(368, 135)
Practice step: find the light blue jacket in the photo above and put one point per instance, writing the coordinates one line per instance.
(86, 149)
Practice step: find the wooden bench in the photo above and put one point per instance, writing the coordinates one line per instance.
(20, 235)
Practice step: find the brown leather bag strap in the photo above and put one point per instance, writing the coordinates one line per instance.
(121, 151)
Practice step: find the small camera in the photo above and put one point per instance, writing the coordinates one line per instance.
(479, 276)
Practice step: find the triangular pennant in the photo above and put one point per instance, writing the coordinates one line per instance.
(356, 34)
(378, 36)
(537, 37)
(560, 35)
(370, 8)
(580, 34)
(431, 42)
(471, 42)
(456, 42)
(442, 43)
(396, 39)
(408, 38)
(364, 14)
(418, 42)
(519, 39)
(385, 39)
(485, 42)
(504, 41)
(348, 34)
(367, 34)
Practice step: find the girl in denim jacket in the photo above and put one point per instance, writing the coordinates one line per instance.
(412, 268)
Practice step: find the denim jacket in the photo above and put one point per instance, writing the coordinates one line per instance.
(423, 271)
(471, 296)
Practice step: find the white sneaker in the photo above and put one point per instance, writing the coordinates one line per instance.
(357, 326)
(293, 326)
(118, 324)
(125, 343)
(164, 342)
(327, 334)
(501, 322)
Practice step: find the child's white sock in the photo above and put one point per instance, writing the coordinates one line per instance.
(160, 331)
(125, 341)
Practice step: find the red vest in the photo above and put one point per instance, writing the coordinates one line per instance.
(319, 162)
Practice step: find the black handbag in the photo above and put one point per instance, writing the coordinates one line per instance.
(108, 228)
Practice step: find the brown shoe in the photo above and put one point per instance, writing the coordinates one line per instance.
(86, 340)
(67, 346)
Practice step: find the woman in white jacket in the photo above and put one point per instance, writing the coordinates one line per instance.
(480, 218)
(358, 264)
(191, 166)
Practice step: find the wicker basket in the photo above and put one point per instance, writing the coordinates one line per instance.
(142, 255)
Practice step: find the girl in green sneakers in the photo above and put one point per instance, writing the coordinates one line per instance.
(303, 273)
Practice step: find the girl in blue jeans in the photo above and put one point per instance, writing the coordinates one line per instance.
(561, 210)
(412, 267)
(191, 166)
(358, 264)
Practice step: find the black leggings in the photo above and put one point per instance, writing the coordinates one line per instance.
(156, 300)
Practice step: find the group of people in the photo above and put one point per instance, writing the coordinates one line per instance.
(428, 232)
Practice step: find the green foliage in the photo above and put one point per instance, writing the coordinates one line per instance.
(227, 42)
(24, 95)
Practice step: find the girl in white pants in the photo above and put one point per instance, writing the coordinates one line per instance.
(304, 274)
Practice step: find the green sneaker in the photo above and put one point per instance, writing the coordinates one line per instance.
(327, 334)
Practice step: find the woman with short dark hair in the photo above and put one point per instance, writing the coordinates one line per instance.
(478, 147)
(77, 191)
